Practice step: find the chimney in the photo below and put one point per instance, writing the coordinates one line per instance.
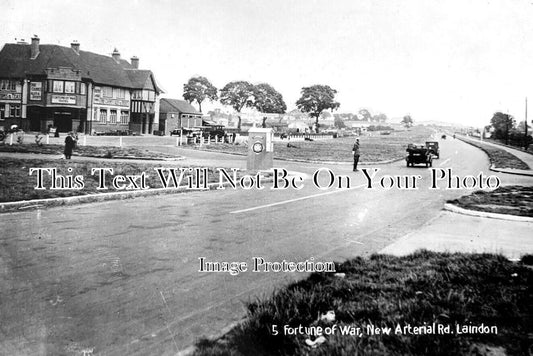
(34, 46)
(75, 46)
(116, 55)
(135, 62)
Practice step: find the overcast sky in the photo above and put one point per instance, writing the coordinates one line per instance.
(456, 61)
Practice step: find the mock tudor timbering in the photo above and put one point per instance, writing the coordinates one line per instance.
(74, 90)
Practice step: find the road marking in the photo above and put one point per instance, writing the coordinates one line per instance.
(443, 163)
(355, 242)
(294, 200)
(170, 313)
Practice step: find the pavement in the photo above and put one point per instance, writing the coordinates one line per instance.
(476, 232)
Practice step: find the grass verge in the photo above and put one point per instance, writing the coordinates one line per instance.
(513, 200)
(499, 158)
(87, 151)
(375, 148)
(386, 291)
(16, 184)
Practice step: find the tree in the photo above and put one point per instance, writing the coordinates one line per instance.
(316, 99)
(502, 123)
(365, 114)
(379, 118)
(407, 121)
(268, 101)
(198, 89)
(238, 95)
(339, 122)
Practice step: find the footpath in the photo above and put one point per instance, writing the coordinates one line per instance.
(456, 230)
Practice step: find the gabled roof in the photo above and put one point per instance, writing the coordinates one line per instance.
(143, 79)
(15, 62)
(174, 105)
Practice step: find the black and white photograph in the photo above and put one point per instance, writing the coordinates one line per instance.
(266, 177)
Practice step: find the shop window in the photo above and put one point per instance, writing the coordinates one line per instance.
(103, 115)
(124, 117)
(57, 86)
(14, 110)
(113, 116)
(70, 87)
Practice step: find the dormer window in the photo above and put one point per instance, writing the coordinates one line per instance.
(6, 84)
(57, 86)
(70, 87)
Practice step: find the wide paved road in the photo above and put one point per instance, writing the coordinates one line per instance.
(122, 277)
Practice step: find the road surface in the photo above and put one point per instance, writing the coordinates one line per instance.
(122, 277)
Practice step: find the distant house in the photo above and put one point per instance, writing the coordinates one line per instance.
(44, 85)
(177, 114)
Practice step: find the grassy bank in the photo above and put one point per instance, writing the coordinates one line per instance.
(385, 291)
(16, 184)
(513, 200)
(374, 148)
(499, 157)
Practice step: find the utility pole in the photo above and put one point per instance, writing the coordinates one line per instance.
(525, 135)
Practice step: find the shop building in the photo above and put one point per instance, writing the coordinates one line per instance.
(73, 90)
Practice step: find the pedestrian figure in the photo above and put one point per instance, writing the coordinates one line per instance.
(70, 142)
(355, 152)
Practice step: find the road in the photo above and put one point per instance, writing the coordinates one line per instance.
(122, 277)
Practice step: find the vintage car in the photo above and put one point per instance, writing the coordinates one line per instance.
(418, 154)
(433, 147)
(213, 131)
(188, 132)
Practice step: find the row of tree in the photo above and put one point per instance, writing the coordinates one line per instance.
(505, 128)
(263, 97)
(314, 100)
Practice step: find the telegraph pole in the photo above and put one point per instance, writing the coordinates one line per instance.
(525, 136)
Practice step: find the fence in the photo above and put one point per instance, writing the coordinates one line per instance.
(303, 137)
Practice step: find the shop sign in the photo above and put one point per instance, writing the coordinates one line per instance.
(114, 102)
(36, 90)
(63, 99)
(9, 95)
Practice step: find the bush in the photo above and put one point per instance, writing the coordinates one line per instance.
(379, 128)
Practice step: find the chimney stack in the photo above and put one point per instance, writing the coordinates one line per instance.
(75, 46)
(116, 55)
(34, 47)
(135, 62)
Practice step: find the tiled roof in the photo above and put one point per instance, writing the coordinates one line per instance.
(15, 62)
(175, 105)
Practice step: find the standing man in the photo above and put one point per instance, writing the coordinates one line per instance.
(355, 152)
(70, 142)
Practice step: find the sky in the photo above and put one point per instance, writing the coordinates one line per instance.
(455, 61)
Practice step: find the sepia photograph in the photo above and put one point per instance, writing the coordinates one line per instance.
(266, 177)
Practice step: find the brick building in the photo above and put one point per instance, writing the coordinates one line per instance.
(177, 114)
(74, 90)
